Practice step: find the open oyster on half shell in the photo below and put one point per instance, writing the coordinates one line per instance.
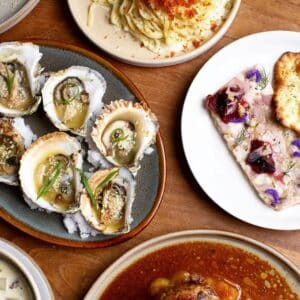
(106, 201)
(19, 78)
(48, 173)
(123, 132)
(71, 97)
(15, 137)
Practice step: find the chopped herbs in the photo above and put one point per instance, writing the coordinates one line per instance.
(48, 182)
(108, 178)
(289, 166)
(241, 137)
(88, 188)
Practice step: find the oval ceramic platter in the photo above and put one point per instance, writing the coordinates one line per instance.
(124, 47)
(26, 266)
(150, 178)
(12, 12)
(287, 269)
(211, 163)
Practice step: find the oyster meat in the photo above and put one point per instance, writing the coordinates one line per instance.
(123, 132)
(48, 172)
(108, 203)
(15, 137)
(19, 78)
(72, 97)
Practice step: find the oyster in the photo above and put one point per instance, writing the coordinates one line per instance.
(72, 97)
(48, 172)
(15, 137)
(107, 206)
(19, 78)
(123, 132)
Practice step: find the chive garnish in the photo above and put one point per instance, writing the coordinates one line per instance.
(120, 139)
(117, 136)
(9, 80)
(107, 179)
(88, 188)
(48, 182)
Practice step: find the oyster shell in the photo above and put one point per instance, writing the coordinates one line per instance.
(15, 137)
(110, 210)
(19, 78)
(48, 173)
(71, 97)
(123, 132)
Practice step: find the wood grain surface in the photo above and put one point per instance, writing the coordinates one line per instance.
(70, 271)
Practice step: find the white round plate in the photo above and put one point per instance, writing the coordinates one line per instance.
(124, 47)
(29, 268)
(287, 269)
(12, 12)
(211, 163)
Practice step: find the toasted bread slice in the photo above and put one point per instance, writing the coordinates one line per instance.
(287, 90)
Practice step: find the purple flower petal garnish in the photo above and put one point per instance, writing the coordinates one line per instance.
(275, 196)
(244, 119)
(296, 154)
(258, 76)
(296, 143)
(255, 74)
(250, 73)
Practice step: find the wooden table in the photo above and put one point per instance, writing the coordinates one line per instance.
(185, 206)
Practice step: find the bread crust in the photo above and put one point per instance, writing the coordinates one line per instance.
(287, 90)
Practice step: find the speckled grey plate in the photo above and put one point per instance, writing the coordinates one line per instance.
(13, 11)
(150, 178)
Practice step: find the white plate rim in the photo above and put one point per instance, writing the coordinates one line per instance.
(19, 16)
(170, 239)
(231, 45)
(30, 269)
(167, 61)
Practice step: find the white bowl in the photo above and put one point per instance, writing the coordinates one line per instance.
(124, 47)
(287, 269)
(34, 275)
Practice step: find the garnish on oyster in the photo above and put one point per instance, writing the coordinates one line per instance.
(123, 132)
(106, 201)
(72, 97)
(19, 78)
(15, 137)
(48, 172)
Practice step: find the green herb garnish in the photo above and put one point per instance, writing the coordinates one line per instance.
(290, 165)
(264, 80)
(107, 179)
(10, 80)
(48, 182)
(118, 136)
(241, 137)
(88, 188)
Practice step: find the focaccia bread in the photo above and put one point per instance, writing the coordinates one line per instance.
(287, 90)
(268, 153)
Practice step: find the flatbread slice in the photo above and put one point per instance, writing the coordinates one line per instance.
(287, 90)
